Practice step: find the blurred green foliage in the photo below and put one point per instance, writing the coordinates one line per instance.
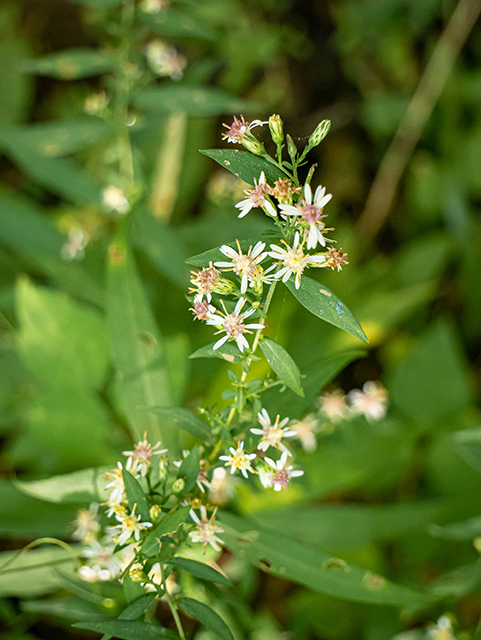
(87, 345)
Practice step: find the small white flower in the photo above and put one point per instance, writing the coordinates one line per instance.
(239, 459)
(206, 531)
(334, 405)
(114, 200)
(272, 434)
(442, 630)
(311, 213)
(282, 474)
(74, 248)
(257, 198)
(164, 60)
(222, 486)
(306, 432)
(205, 282)
(87, 524)
(372, 401)
(101, 557)
(293, 260)
(265, 476)
(233, 325)
(239, 128)
(139, 458)
(117, 495)
(129, 525)
(243, 265)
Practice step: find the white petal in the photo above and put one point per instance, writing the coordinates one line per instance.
(229, 251)
(258, 249)
(220, 342)
(289, 210)
(270, 208)
(308, 193)
(239, 305)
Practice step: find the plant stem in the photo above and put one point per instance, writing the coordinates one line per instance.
(172, 605)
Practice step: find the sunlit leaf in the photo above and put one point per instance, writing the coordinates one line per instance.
(324, 304)
(199, 570)
(168, 525)
(183, 419)
(135, 496)
(282, 364)
(207, 616)
(245, 165)
(77, 487)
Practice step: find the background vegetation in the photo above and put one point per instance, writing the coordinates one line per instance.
(399, 497)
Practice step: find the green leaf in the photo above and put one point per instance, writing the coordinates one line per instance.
(132, 590)
(313, 568)
(192, 100)
(324, 304)
(183, 419)
(137, 348)
(77, 487)
(135, 496)
(227, 351)
(245, 165)
(468, 444)
(174, 24)
(128, 630)
(199, 570)
(138, 607)
(207, 616)
(189, 470)
(282, 364)
(34, 572)
(70, 64)
(168, 525)
(55, 139)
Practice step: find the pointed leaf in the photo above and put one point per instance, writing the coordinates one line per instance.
(199, 570)
(312, 567)
(324, 304)
(183, 419)
(169, 524)
(282, 364)
(128, 630)
(207, 616)
(137, 348)
(245, 165)
(192, 100)
(70, 64)
(227, 351)
(135, 496)
(189, 470)
(77, 487)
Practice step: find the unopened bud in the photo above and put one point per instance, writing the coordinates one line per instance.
(155, 512)
(224, 286)
(276, 129)
(178, 485)
(319, 134)
(253, 145)
(291, 148)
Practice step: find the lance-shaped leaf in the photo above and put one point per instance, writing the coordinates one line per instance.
(71, 64)
(128, 630)
(183, 419)
(314, 568)
(77, 487)
(199, 570)
(137, 348)
(207, 616)
(282, 364)
(169, 524)
(192, 100)
(227, 351)
(245, 165)
(324, 304)
(135, 496)
(189, 470)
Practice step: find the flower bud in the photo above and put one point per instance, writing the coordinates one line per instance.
(155, 512)
(137, 575)
(253, 145)
(178, 485)
(291, 148)
(224, 286)
(276, 129)
(319, 133)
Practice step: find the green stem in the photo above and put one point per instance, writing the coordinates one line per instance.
(172, 605)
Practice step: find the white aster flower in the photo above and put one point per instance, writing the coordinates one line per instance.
(205, 282)
(240, 128)
(239, 459)
(257, 198)
(139, 458)
(272, 433)
(117, 495)
(282, 474)
(334, 405)
(101, 558)
(206, 531)
(233, 325)
(442, 630)
(372, 401)
(243, 265)
(114, 200)
(265, 476)
(87, 524)
(222, 486)
(293, 260)
(306, 432)
(74, 247)
(311, 213)
(130, 524)
(165, 60)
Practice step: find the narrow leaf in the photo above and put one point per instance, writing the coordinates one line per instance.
(128, 630)
(77, 487)
(245, 165)
(199, 570)
(70, 64)
(207, 616)
(183, 419)
(227, 351)
(282, 364)
(189, 470)
(135, 495)
(324, 304)
(192, 100)
(137, 608)
(169, 524)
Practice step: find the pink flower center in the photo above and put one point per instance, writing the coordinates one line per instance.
(233, 325)
(281, 477)
(311, 214)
